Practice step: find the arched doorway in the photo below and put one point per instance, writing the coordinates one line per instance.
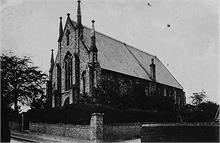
(67, 101)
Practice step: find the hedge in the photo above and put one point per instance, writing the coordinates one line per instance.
(81, 114)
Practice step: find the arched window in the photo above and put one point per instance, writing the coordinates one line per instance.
(84, 81)
(67, 37)
(67, 101)
(68, 70)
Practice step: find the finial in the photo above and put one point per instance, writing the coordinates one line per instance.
(60, 18)
(79, 9)
(152, 61)
(93, 21)
(52, 50)
(68, 14)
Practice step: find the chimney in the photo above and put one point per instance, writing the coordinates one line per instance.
(153, 70)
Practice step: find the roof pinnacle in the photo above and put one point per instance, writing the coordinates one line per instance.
(79, 23)
(51, 61)
(68, 15)
(60, 30)
(93, 29)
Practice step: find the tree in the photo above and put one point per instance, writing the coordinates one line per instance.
(204, 112)
(39, 103)
(20, 80)
(197, 98)
(208, 110)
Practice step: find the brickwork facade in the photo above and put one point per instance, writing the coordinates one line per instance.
(84, 71)
(131, 86)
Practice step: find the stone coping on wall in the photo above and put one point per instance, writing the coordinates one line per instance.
(124, 124)
(177, 132)
(61, 124)
(181, 124)
(100, 114)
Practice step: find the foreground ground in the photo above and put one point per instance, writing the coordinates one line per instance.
(18, 137)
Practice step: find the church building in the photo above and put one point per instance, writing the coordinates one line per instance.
(87, 61)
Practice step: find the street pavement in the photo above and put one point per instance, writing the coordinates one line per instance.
(17, 141)
(18, 137)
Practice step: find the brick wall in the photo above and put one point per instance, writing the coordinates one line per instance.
(81, 132)
(94, 131)
(14, 126)
(38, 127)
(115, 132)
(199, 132)
(74, 131)
(180, 132)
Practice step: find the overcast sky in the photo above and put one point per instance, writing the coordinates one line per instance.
(188, 47)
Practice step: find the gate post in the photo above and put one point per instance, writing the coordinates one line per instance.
(24, 122)
(96, 123)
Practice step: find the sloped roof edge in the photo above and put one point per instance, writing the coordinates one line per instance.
(172, 80)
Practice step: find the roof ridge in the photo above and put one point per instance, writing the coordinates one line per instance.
(138, 61)
(117, 40)
(169, 72)
(139, 50)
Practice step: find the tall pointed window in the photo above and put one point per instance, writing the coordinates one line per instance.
(84, 81)
(58, 77)
(67, 37)
(68, 70)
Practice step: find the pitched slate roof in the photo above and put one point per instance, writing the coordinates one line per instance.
(119, 57)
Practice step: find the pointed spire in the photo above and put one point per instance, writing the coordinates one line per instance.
(79, 23)
(93, 39)
(51, 61)
(93, 29)
(60, 30)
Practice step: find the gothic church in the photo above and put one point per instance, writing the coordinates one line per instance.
(87, 60)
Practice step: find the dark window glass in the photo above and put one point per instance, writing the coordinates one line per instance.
(68, 71)
(84, 81)
(67, 37)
